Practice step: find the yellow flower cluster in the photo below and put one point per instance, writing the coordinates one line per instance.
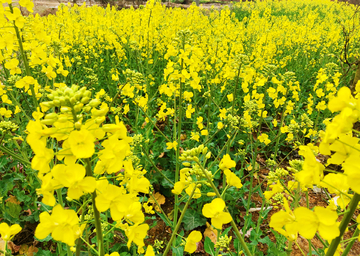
(76, 122)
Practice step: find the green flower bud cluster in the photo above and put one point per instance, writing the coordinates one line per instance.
(89, 215)
(270, 162)
(294, 127)
(223, 242)
(71, 101)
(306, 121)
(197, 171)
(233, 120)
(158, 245)
(295, 166)
(105, 225)
(93, 79)
(7, 126)
(133, 77)
(68, 97)
(207, 94)
(137, 139)
(251, 106)
(289, 76)
(12, 80)
(270, 69)
(331, 68)
(193, 154)
(241, 152)
(278, 199)
(273, 176)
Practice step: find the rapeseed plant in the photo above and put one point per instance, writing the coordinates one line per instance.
(169, 74)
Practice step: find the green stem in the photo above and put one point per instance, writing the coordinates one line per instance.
(177, 170)
(289, 248)
(78, 242)
(235, 91)
(310, 249)
(233, 224)
(167, 249)
(69, 252)
(157, 169)
(279, 132)
(19, 105)
(5, 249)
(16, 156)
(99, 235)
(158, 205)
(348, 247)
(59, 195)
(157, 128)
(343, 225)
(23, 55)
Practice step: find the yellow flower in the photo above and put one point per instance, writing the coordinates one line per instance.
(136, 234)
(321, 219)
(73, 177)
(113, 254)
(285, 219)
(264, 138)
(82, 143)
(150, 251)
(232, 179)
(226, 162)
(189, 111)
(204, 132)
(62, 224)
(8, 232)
(214, 210)
(195, 136)
(193, 238)
(171, 145)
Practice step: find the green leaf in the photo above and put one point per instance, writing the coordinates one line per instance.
(193, 219)
(209, 246)
(6, 184)
(164, 182)
(13, 209)
(226, 231)
(178, 251)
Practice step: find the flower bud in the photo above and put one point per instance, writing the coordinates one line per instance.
(51, 116)
(62, 119)
(94, 103)
(78, 125)
(62, 101)
(100, 119)
(205, 150)
(65, 109)
(73, 100)
(78, 107)
(48, 121)
(56, 103)
(87, 94)
(85, 100)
